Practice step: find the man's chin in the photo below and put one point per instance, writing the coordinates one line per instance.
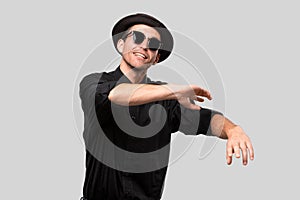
(140, 67)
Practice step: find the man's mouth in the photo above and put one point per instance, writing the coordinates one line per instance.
(140, 55)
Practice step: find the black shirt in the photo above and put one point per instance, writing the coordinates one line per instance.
(127, 148)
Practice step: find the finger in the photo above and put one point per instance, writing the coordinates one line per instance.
(229, 154)
(237, 151)
(202, 92)
(196, 98)
(209, 96)
(244, 153)
(186, 103)
(229, 160)
(199, 99)
(206, 94)
(194, 107)
(251, 150)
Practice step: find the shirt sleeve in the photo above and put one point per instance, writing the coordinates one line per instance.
(102, 103)
(94, 91)
(192, 122)
(87, 90)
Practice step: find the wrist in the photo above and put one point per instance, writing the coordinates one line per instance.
(171, 91)
(231, 130)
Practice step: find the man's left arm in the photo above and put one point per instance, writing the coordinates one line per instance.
(238, 142)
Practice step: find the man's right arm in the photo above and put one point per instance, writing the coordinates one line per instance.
(137, 94)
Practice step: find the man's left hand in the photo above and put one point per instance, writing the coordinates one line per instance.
(238, 143)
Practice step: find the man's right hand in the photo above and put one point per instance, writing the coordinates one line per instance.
(186, 94)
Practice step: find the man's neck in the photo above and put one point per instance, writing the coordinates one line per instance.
(133, 74)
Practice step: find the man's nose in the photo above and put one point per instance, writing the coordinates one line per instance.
(144, 44)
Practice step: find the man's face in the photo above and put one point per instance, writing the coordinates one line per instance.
(136, 55)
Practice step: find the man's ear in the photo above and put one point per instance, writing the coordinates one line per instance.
(120, 45)
(156, 59)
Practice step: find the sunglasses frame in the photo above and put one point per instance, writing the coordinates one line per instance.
(134, 35)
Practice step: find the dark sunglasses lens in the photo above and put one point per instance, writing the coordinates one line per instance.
(138, 37)
(154, 44)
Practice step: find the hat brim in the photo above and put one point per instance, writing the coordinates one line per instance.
(128, 21)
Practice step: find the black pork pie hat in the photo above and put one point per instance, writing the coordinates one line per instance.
(140, 18)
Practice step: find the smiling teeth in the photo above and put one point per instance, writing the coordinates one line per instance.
(141, 55)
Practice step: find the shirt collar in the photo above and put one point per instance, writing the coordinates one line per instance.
(122, 78)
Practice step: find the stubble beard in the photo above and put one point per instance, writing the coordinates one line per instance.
(138, 69)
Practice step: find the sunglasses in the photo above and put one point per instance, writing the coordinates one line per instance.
(138, 37)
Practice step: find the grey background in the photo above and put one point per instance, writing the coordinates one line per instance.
(254, 44)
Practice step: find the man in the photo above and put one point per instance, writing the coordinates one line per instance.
(129, 119)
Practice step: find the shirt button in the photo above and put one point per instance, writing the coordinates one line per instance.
(132, 117)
